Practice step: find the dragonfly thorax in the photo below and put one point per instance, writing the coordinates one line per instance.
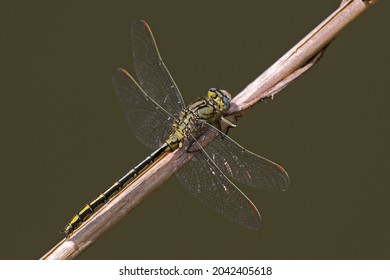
(191, 119)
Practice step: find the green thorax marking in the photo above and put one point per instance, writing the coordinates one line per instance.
(205, 110)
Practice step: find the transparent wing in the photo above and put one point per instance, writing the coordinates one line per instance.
(206, 182)
(151, 71)
(150, 123)
(241, 165)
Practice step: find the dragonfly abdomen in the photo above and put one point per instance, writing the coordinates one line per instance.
(84, 213)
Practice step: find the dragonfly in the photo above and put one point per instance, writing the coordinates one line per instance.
(158, 117)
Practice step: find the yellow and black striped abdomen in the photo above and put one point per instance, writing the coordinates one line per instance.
(84, 213)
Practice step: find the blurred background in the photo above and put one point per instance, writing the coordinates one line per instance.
(64, 138)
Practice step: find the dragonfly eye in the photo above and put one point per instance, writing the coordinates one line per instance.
(226, 102)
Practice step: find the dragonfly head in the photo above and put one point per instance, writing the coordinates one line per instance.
(222, 97)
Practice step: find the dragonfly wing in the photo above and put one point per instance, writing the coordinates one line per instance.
(150, 123)
(202, 177)
(151, 71)
(241, 165)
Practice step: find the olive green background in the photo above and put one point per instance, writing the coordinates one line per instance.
(64, 138)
